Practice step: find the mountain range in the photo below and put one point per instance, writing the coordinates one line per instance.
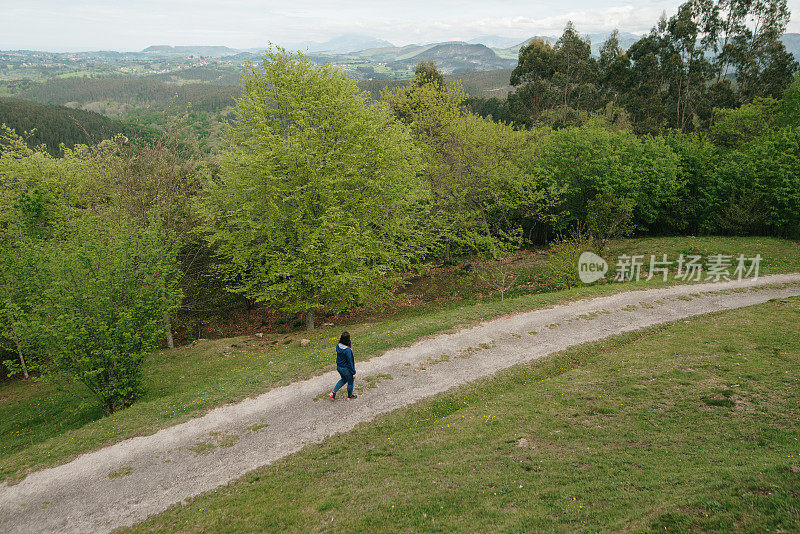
(487, 52)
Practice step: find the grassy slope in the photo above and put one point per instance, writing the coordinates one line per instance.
(44, 424)
(691, 426)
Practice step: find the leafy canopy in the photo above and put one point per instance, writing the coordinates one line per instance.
(319, 198)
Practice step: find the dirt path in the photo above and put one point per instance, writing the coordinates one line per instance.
(199, 455)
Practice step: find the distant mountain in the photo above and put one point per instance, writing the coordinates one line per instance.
(494, 41)
(460, 57)
(456, 56)
(343, 44)
(792, 43)
(391, 53)
(204, 51)
(597, 40)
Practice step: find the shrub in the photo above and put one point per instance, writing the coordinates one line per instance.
(111, 285)
(561, 270)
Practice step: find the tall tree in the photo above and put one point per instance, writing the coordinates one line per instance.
(548, 78)
(476, 170)
(612, 69)
(427, 72)
(762, 64)
(319, 198)
(110, 283)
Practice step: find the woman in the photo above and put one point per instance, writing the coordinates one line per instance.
(345, 365)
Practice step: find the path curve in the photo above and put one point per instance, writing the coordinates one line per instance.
(201, 454)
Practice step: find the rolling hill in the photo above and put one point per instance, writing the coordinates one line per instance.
(486, 83)
(203, 51)
(53, 125)
(104, 94)
(459, 57)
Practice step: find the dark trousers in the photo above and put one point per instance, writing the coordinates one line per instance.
(347, 378)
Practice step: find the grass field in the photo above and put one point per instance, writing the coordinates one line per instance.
(46, 423)
(687, 427)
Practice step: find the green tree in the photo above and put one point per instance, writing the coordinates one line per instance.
(479, 172)
(562, 78)
(762, 65)
(608, 218)
(737, 127)
(758, 187)
(789, 112)
(685, 67)
(427, 72)
(612, 70)
(319, 198)
(592, 159)
(110, 283)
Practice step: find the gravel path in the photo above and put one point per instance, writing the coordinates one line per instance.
(196, 456)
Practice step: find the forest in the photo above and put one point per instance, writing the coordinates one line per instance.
(53, 125)
(320, 198)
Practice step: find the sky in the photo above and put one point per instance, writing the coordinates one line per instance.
(73, 25)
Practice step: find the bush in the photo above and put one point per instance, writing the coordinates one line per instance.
(111, 285)
(593, 159)
(608, 217)
(561, 269)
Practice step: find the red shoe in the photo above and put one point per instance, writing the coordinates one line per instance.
(353, 396)
(332, 395)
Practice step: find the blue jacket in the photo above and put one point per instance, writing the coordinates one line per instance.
(344, 358)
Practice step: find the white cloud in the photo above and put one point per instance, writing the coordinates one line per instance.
(134, 24)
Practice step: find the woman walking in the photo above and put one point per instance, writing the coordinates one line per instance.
(346, 366)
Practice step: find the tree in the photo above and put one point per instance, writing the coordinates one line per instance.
(765, 177)
(736, 128)
(689, 62)
(612, 69)
(319, 199)
(593, 159)
(645, 83)
(562, 77)
(687, 68)
(789, 112)
(109, 285)
(427, 72)
(762, 65)
(22, 280)
(163, 177)
(608, 218)
(478, 171)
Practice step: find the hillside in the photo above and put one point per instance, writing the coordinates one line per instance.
(483, 83)
(792, 43)
(53, 125)
(459, 57)
(114, 96)
(203, 51)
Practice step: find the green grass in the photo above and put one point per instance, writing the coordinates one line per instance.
(687, 427)
(45, 424)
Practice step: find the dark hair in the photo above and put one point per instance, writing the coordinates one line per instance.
(345, 339)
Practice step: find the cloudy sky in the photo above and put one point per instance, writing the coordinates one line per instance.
(61, 25)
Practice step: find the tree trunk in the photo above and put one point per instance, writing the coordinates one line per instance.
(309, 313)
(168, 324)
(22, 361)
(19, 351)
